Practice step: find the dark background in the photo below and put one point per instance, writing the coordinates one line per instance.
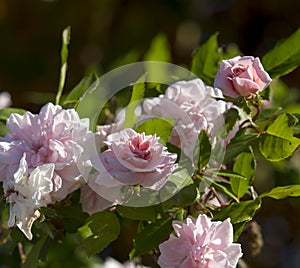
(104, 31)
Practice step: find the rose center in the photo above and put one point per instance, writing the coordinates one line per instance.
(201, 255)
(140, 147)
(239, 69)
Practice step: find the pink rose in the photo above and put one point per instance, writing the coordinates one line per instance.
(200, 243)
(241, 76)
(28, 191)
(194, 107)
(134, 159)
(55, 136)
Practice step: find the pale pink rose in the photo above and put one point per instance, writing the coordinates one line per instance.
(55, 136)
(194, 107)
(134, 159)
(200, 243)
(241, 76)
(28, 191)
(105, 130)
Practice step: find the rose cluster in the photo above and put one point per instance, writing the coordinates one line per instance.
(45, 157)
(40, 158)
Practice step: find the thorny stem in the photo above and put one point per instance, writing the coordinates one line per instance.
(217, 195)
(21, 252)
(258, 109)
(251, 125)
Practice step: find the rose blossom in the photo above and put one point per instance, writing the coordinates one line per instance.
(134, 159)
(200, 243)
(28, 191)
(241, 76)
(194, 107)
(55, 136)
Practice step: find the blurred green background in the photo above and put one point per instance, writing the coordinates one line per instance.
(108, 33)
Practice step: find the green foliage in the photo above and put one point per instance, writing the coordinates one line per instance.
(4, 115)
(216, 184)
(162, 127)
(186, 197)
(238, 212)
(6, 112)
(284, 57)
(159, 49)
(278, 141)
(202, 150)
(244, 165)
(66, 36)
(206, 60)
(239, 144)
(283, 192)
(72, 217)
(73, 98)
(32, 259)
(137, 95)
(98, 231)
(138, 213)
(151, 236)
(232, 115)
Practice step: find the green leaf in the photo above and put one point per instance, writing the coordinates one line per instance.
(231, 50)
(225, 173)
(75, 94)
(278, 142)
(177, 180)
(73, 217)
(99, 230)
(237, 230)
(151, 236)
(206, 60)
(297, 126)
(283, 192)
(202, 150)
(3, 129)
(284, 57)
(238, 212)
(159, 49)
(32, 259)
(162, 127)
(221, 187)
(66, 36)
(232, 115)
(238, 144)
(187, 196)
(4, 115)
(137, 95)
(6, 112)
(244, 165)
(137, 213)
(268, 116)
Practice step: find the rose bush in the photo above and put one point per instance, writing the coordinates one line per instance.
(67, 182)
